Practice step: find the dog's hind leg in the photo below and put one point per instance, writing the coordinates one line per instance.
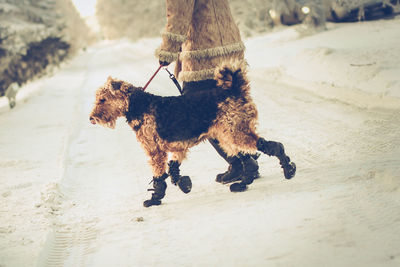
(247, 142)
(272, 148)
(251, 141)
(248, 174)
(158, 162)
(184, 182)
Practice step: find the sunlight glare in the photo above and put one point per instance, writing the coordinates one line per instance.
(86, 8)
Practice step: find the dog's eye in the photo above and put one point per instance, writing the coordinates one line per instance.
(102, 100)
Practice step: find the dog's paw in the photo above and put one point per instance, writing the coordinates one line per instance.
(238, 187)
(290, 170)
(151, 202)
(185, 184)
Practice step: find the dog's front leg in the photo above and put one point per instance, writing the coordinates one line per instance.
(159, 187)
(184, 182)
(158, 161)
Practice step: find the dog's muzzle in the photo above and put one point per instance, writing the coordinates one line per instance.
(92, 120)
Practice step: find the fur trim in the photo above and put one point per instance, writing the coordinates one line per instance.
(166, 56)
(174, 36)
(213, 52)
(194, 76)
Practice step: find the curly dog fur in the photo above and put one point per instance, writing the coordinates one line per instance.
(174, 124)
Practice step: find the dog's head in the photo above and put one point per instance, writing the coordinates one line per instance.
(112, 101)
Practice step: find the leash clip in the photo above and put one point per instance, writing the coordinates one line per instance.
(172, 77)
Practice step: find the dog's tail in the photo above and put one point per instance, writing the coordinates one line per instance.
(232, 75)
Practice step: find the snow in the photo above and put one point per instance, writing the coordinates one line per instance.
(71, 193)
(347, 62)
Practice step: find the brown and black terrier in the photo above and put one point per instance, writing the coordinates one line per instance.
(176, 123)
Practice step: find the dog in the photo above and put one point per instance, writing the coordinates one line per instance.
(174, 124)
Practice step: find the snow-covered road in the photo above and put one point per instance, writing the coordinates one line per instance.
(71, 193)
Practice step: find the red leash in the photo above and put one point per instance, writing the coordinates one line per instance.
(171, 76)
(152, 77)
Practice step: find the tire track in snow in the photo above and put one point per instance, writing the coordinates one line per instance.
(69, 245)
(81, 197)
(69, 240)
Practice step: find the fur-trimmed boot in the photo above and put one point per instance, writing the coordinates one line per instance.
(159, 187)
(184, 182)
(234, 172)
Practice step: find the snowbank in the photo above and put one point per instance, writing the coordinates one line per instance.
(356, 63)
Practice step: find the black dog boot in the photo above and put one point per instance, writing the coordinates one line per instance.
(184, 182)
(276, 149)
(159, 187)
(238, 187)
(289, 168)
(250, 172)
(173, 171)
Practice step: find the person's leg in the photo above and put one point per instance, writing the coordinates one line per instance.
(235, 168)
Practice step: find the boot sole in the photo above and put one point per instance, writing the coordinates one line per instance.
(151, 202)
(252, 176)
(231, 180)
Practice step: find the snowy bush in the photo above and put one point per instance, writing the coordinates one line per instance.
(35, 34)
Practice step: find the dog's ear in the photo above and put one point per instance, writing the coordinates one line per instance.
(116, 85)
(127, 87)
